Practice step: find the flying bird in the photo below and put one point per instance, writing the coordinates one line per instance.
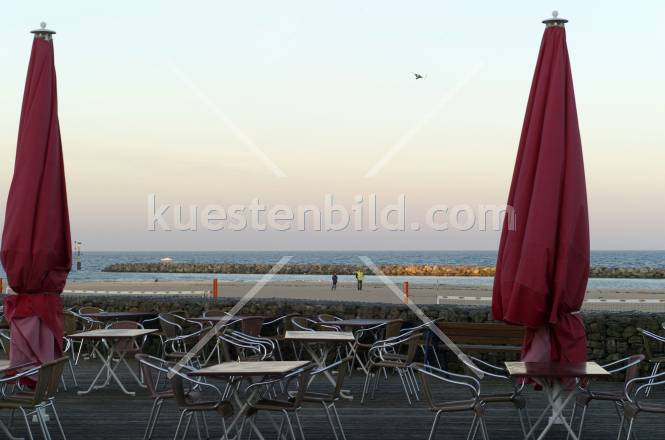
(418, 76)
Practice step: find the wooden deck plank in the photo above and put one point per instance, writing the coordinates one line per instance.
(109, 414)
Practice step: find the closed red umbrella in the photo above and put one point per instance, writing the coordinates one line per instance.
(36, 244)
(543, 261)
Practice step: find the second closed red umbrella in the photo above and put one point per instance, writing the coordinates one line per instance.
(543, 260)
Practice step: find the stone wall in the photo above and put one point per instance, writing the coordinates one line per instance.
(611, 335)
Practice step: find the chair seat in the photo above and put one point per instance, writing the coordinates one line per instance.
(313, 397)
(455, 405)
(271, 405)
(223, 408)
(585, 398)
(518, 401)
(15, 401)
(652, 407)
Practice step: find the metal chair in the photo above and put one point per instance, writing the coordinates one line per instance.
(192, 404)
(149, 366)
(630, 365)
(275, 330)
(513, 394)
(648, 338)
(634, 403)
(327, 400)
(290, 405)
(387, 354)
(473, 404)
(35, 402)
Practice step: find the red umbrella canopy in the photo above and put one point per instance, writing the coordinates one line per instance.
(543, 261)
(36, 245)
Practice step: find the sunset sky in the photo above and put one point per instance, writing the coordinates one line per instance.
(177, 99)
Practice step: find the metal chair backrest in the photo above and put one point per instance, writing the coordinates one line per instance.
(634, 370)
(303, 383)
(429, 372)
(648, 338)
(392, 329)
(171, 324)
(71, 322)
(55, 369)
(124, 325)
(251, 325)
(325, 317)
(89, 309)
(301, 323)
(149, 365)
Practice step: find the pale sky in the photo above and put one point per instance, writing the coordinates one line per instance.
(170, 98)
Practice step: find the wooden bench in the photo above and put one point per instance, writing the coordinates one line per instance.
(486, 337)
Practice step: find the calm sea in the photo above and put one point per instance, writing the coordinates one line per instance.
(94, 262)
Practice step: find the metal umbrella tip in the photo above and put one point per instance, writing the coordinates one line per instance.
(42, 32)
(555, 20)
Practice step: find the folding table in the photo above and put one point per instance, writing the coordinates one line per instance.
(328, 339)
(249, 370)
(112, 337)
(550, 376)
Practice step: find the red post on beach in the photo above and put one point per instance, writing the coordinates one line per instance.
(215, 288)
(405, 289)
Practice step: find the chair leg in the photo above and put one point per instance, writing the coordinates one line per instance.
(146, 434)
(195, 416)
(406, 391)
(205, 425)
(362, 398)
(432, 431)
(581, 427)
(630, 428)
(27, 424)
(522, 425)
(290, 425)
(483, 427)
(330, 420)
(473, 430)
(339, 421)
(42, 423)
(297, 417)
(177, 429)
(187, 425)
(57, 420)
(656, 366)
(155, 418)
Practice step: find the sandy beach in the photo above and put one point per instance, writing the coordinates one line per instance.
(371, 293)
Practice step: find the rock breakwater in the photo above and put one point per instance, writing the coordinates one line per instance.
(392, 269)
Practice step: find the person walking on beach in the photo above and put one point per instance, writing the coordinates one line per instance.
(359, 276)
(334, 281)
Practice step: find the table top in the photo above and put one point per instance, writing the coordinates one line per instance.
(106, 316)
(5, 364)
(319, 336)
(555, 369)
(260, 368)
(359, 322)
(230, 318)
(114, 333)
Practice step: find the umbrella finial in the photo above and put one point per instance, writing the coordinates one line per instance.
(42, 32)
(555, 20)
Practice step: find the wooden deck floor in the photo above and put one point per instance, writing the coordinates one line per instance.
(109, 414)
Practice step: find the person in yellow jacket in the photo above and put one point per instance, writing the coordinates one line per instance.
(359, 277)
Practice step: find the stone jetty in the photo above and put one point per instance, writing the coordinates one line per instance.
(391, 269)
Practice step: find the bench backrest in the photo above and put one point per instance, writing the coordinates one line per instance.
(485, 333)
